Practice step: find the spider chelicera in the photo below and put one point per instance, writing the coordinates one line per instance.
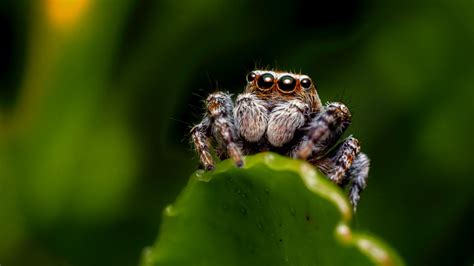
(282, 112)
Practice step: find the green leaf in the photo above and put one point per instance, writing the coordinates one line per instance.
(273, 211)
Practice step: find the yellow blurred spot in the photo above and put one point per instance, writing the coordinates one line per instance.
(344, 233)
(65, 13)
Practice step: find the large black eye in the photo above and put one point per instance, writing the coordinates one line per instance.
(286, 83)
(251, 77)
(265, 81)
(305, 83)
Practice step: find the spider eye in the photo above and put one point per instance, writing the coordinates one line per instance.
(265, 81)
(251, 77)
(305, 83)
(286, 83)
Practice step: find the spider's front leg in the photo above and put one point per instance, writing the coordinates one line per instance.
(345, 164)
(358, 174)
(323, 131)
(218, 122)
(336, 163)
(200, 135)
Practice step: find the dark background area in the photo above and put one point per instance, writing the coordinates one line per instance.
(97, 98)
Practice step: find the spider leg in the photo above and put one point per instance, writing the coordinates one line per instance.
(338, 161)
(346, 164)
(357, 174)
(220, 110)
(323, 131)
(200, 136)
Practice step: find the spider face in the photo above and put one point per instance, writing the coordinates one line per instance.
(278, 82)
(282, 86)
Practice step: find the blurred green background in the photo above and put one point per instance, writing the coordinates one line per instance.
(97, 98)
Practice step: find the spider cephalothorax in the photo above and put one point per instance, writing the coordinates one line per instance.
(275, 103)
(281, 86)
(282, 112)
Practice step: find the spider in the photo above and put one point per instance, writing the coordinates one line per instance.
(282, 112)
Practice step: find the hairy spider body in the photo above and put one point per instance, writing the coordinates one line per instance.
(282, 112)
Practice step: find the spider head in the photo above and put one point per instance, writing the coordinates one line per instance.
(282, 86)
(268, 82)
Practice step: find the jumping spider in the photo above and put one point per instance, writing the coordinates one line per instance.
(282, 112)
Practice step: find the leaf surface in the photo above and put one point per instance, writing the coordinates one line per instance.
(273, 211)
